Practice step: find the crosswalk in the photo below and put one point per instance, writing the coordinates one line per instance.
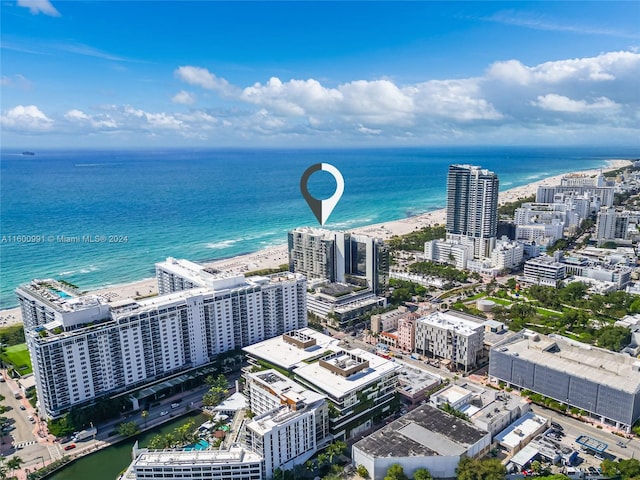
(54, 451)
(23, 444)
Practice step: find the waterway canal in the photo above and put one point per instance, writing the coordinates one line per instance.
(107, 464)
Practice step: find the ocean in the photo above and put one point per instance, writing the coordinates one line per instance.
(97, 217)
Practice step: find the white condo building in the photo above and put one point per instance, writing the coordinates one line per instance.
(291, 422)
(79, 359)
(452, 336)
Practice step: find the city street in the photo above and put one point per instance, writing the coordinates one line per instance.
(573, 428)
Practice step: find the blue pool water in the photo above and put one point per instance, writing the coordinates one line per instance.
(199, 445)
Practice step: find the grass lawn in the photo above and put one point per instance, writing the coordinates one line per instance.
(18, 356)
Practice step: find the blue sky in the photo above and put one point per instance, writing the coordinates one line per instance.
(207, 74)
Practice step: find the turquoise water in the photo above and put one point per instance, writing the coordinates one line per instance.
(199, 445)
(97, 218)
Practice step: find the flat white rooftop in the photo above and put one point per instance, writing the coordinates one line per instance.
(523, 428)
(287, 355)
(235, 402)
(453, 394)
(284, 387)
(450, 321)
(158, 458)
(338, 385)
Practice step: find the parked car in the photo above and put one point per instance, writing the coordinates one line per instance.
(70, 447)
(556, 425)
(22, 407)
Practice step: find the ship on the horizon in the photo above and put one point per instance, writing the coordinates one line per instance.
(28, 153)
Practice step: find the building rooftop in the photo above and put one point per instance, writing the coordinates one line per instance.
(285, 388)
(523, 428)
(450, 320)
(59, 296)
(578, 359)
(235, 402)
(157, 458)
(413, 381)
(285, 352)
(334, 383)
(425, 431)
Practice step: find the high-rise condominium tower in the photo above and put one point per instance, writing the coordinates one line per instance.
(472, 207)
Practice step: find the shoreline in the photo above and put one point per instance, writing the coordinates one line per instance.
(274, 256)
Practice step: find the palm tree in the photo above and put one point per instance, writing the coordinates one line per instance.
(14, 463)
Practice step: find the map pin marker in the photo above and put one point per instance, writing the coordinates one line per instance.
(322, 208)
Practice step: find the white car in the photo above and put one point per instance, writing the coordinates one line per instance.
(164, 412)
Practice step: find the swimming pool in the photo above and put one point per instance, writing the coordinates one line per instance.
(199, 445)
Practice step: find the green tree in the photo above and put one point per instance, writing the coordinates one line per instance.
(128, 429)
(335, 449)
(474, 469)
(14, 463)
(613, 337)
(609, 468)
(61, 427)
(396, 472)
(422, 474)
(362, 471)
(629, 469)
(185, 434)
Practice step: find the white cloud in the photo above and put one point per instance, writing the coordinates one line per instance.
(26, 119)
(97, 122)
(183, 97)
(205, 79)
(456, 99)
(560, 103)
(39, 6)
(593, 97)
(16, 81)
(604, 67)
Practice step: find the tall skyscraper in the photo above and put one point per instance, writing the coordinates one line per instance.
(339, 257)
(472, 208)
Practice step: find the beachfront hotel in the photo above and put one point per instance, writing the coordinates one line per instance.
(339, 257)
(85, 348)
(472, 208)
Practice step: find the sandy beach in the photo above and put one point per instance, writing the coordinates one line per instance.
(272, 257)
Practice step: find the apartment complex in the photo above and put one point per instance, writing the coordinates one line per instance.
(291, 422)
(79, 356)
(339, 257)
(452, 336)
(359, 385)
(472, 208)
(603, 383)
(617, 226)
